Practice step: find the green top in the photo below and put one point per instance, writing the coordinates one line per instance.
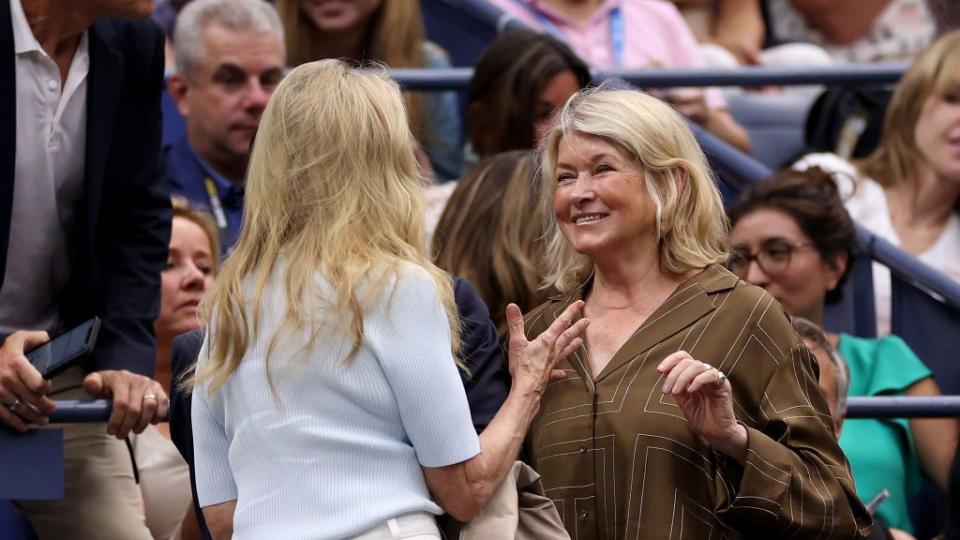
(881, 451)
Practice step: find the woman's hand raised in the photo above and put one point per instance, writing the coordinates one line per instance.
(533, 363)
(706, 399)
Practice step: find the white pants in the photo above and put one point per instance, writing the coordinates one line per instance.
(415, 526)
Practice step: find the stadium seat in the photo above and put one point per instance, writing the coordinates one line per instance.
(775, 123)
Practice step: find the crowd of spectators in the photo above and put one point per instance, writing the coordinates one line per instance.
(356, 251)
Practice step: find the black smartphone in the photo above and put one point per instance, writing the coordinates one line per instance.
(63, 351)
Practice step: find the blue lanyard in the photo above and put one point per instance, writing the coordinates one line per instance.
(617, 41)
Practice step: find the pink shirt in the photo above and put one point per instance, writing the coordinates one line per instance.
(655, 35)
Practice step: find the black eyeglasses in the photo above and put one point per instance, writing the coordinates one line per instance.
(773, 258)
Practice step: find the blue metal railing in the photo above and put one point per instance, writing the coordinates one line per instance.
(857, 407)
(903, 407)
(850, 75)
(73, 410)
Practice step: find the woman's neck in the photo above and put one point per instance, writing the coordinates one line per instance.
(635, 283)
(576, 10)
(349, 43)
(928, 201)
(919, 210)
(162, 373)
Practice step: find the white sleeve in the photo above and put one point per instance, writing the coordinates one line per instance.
(211, 447)
(412, 344)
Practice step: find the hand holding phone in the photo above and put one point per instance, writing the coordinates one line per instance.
(22, 388)
(65, 350)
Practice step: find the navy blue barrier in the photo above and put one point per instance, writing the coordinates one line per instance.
(31, 464)
(848, 75)
(464, 28)
(903, 407)
(73, 410)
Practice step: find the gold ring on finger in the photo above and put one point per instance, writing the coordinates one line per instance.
(721, 377)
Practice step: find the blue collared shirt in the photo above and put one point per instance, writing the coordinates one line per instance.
(188, 175)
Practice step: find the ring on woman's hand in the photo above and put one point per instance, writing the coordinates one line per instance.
(16, 405)
(721, 377)
(149, 396)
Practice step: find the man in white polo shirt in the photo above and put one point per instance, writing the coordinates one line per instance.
(84, 226)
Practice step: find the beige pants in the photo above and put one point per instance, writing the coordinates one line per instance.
(101, 498)
(415, 526)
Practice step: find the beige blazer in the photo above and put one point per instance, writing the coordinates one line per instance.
(517, 510)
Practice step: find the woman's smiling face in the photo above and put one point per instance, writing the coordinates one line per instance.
(601, 201)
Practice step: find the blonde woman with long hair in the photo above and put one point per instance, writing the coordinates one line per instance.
(327, 402)
(908, 190)
(390, 32)
(693, 395)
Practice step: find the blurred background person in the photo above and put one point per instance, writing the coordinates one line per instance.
(84, 227)
(490, 234)
(735, 27)
(230, 58)
(392, 33)
(733, 33)
(792, 236)
(519, 81)
(634, 34)
(907, 191)
(834, 381)
(946, 13)
(336, 377)
(163, 473)
(635, 228)
(855, 32)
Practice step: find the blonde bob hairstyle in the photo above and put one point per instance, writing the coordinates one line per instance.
(692, 229)
(332, 190)
(935, 74)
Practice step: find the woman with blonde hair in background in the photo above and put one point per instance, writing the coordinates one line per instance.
(490, 232)
(692, 404)
(908, 190)
(390, 32)
(163, 474)
(327, 402)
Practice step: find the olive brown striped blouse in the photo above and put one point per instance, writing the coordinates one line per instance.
(619, 461)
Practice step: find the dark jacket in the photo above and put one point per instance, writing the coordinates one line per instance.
(486, 385)
(124, 215)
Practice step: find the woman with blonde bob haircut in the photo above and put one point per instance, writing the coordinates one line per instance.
(692, 393)
(327, 401)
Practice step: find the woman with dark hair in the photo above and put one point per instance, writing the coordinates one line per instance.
(490, 232)
(793, 237)
(634, 34)
(518, 83)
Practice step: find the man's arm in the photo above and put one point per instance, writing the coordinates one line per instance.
(841, 23)
(132, 222)
(135, 215)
